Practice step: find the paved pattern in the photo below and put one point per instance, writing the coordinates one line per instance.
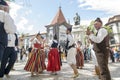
(65, 74)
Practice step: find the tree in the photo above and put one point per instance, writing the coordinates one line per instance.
(109, 29)
(91, 27)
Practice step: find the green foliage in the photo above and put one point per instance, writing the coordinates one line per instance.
(91, 27)
(109, 29)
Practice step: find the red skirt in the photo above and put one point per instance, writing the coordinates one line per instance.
(53, 60)
(36, 63)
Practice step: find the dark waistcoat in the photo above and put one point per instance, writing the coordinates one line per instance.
(103, 46)
(3, 35)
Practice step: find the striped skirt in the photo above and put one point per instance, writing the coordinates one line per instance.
(36, 63)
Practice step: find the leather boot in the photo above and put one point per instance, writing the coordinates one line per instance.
(97, 70)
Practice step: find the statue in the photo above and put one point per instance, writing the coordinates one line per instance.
(76, 19)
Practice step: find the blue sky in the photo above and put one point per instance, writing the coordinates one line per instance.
(31, 16)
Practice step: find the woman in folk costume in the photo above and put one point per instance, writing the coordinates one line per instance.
(94, 59)
(71, 55)
(36, 63)
(54, 57)
(79, 56)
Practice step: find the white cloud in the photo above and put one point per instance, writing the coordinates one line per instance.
(30, 27)
(14, 8)
(23, 26)
(111, 6)
(87, 22)
(21, 22)
(28, 12)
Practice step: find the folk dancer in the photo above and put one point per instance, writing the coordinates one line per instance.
(7, 40)
(54, 57)
(101, 48)
(79, 56)
(71, 56)
(36, 63)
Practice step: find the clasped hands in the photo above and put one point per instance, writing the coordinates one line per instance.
(88, 32)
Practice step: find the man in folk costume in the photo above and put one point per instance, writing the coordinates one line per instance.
(3, 29)
(101, 48)
(9, 57)
(7, 39)
(71, 56)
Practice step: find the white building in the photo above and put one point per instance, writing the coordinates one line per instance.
(58, 26)
(79, 33)
(114, 23)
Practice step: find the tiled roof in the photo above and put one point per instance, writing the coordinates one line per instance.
(59, 18)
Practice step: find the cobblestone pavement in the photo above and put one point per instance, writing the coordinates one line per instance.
(65, 74)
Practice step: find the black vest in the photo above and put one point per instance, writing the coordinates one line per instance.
(3, 35)
(66, 45)
(54, 45)
(104, 45)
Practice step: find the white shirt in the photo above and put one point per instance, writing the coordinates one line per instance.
(70, 39)
(9, 25)
(11, 40)
(102, 33)
(35, 41)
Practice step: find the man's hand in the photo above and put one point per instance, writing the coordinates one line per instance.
(88, 32)
(91, 41)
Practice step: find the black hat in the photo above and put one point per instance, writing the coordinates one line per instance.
(98, 20)
(38, 33)
(2, 2)
(69, 29)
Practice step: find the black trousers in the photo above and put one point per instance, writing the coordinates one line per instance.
(2, 48)
(112, 58)
(9, 57)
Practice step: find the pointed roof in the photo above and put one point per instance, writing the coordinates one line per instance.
(59, 18)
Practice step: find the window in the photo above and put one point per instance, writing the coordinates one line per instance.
(114, 28)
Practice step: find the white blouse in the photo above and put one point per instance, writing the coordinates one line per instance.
(35, 41)
(70, 39)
